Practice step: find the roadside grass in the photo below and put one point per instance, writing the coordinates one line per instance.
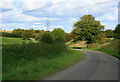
(112, 49)
(9, 40)
(34, 61)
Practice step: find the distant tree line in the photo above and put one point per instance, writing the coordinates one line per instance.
(37, 34)
(23, 33)
(86, 29)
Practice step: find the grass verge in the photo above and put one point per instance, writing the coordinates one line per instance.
(21, 67)
(112, 49)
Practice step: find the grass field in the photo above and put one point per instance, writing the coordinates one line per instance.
(30, 67)
(8, 40)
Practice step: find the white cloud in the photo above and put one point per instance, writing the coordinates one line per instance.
(112, 15)
(16, 16)
(34, 4)
(6, 4)
(60, 13)
(37, 23)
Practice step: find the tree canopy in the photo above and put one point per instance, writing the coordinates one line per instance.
(46, 37)
(26, 34)
(87, 29)
(58, 34)
(18, 32)
(117, 32)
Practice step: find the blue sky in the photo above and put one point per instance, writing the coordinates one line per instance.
(32, 14)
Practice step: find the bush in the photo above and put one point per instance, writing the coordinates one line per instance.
(46, 37)
(34, 49)
(58, 35)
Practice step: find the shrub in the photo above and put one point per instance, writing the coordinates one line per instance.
(34, 49)
(46, 37)
(58, 35)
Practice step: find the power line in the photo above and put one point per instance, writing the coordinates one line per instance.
(68, 9)
(86, 6)
(46, 6)
(74, 8)
(48, 21)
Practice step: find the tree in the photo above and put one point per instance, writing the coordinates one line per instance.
(38, 33)
(87, 29)
(46, 37)
(100, 38)
(68, 37)
(18, 32)
(117, 32)
(58, 34)
(26, 34)
(109, 33)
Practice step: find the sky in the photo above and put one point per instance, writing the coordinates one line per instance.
(33, 14)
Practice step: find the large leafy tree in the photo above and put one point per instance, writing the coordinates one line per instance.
(117, 32)
(87, 29)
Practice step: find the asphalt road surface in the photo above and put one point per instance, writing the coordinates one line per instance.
(95, 66)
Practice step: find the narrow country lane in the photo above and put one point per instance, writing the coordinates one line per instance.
(95, 66)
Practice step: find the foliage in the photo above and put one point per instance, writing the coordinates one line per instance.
(17, 66)
(68, 37)
(38, 35)
(117, 32)
(35, 49)
(50, 47)
(58, 34)
(87, 29)
(5, 34)
(109, 33)
(26, 34)
(18, 32)
(38, 31)
(113, 48)
(46, 37)
(100, 38)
